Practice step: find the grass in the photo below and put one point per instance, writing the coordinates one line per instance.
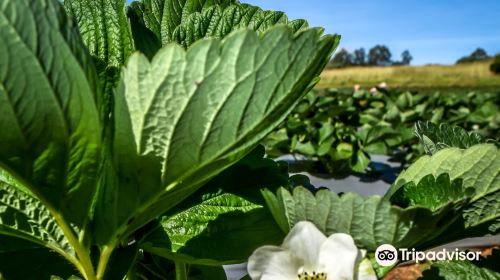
(472, 75)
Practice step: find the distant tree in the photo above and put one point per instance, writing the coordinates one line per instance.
(359, 57)
(342, 59)
(495, 66)
(406, 57)
(478, 55)
(379, 56)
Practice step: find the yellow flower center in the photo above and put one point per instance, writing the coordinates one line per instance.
(313, 276)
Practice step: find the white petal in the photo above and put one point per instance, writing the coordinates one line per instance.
(305, 241)
(337, 257)
(271, 262)
(362, 255)
(365, 271)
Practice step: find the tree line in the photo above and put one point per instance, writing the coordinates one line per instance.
(481, 55)
(379, 55)
(478, 55)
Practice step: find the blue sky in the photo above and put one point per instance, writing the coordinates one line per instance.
(434, 31)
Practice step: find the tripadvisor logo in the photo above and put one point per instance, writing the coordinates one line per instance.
(387, 255)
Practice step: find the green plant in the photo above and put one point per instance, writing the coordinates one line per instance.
(449, 195)
(341, 129)
(100, 144)
(332, 127)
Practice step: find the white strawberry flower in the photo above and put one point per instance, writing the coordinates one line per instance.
(306, 253)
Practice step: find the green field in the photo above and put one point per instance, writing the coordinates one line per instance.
(467, 76)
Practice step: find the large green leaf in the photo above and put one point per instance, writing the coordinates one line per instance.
(479, 218)
(145, 40)
(217, 22)
(25, 217)
(223, 221)
(20, 259)
(483, 216)
(229, 212)
(371, 221)
(186, 21)
(477, 166)
(479, 169)
(435, 137)
(185, 116)
(163, 16)
(438, 192)
(105, 30)
(49, 122)
(29, 234)
(485, 269)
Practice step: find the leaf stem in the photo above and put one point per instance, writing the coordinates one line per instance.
(103, 261)
(86, 267)
(180, 271)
